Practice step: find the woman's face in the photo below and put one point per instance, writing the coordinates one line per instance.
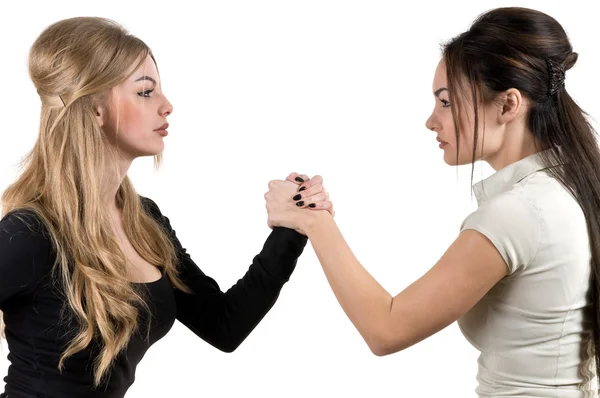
(441, 122)
(135, 117)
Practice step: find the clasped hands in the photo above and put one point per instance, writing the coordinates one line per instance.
(294, 202)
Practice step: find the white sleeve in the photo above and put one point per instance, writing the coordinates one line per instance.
(510, 222)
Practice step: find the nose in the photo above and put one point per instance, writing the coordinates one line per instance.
(166, 107)
(431, 123)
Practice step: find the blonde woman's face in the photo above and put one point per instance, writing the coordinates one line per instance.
(135, 117)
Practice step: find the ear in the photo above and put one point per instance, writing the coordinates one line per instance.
(511, 101)
(101, 107)
(101, 114)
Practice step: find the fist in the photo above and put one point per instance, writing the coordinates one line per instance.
(281, 208)
(288, 200)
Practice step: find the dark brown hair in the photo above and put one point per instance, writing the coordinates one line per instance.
(528, 50)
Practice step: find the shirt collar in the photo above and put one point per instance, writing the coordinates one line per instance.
(504, 179)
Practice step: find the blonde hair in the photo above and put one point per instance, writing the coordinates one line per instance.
(73, 64)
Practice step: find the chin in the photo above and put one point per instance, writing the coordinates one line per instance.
(450, 158)
(154, 150)
(154, 153)
(146, 152)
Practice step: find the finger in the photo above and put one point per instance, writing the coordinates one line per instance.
(307, 193)
(322, 205)
(309, 183)
(273, 184)
(301, 178)
(292, 178)
(318, 197)
(302, 204)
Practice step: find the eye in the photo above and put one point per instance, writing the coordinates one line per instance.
(145, 94)
(445, 103)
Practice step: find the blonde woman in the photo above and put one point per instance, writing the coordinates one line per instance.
(92, 274)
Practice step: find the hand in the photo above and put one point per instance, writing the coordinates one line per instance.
(286, 204)
(313, 194)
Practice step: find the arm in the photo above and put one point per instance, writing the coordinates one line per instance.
(469, 268)
(225, 319)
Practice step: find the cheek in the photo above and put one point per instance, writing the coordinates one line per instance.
(128, 124)
(127, 118)
(466, 131)
(448, 127)
(133, 121)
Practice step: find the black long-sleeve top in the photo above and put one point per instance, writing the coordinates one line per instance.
(37, 330)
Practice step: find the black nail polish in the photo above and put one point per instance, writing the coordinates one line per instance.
(300, 204)
(301, 189)
(299, 179)
(297, 197)
(312, 205)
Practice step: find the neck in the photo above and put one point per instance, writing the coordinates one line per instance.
(517, 144)
(113, 182)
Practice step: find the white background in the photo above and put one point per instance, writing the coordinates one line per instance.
(264, 88)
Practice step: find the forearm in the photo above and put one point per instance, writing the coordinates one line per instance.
(252, 297)
(364, 300)
(226, 319)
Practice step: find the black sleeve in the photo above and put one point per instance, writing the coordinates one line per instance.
(24, 260)
(224, 320)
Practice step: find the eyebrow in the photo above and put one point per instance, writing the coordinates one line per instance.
(439, 90)
(146, 78)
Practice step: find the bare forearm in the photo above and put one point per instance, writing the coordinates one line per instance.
(364, 300)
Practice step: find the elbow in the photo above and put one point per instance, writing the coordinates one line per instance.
(230, 343)
(382, 345)
(380, 350)
(228, 347)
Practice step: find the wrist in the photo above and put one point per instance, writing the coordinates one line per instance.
(312, 219)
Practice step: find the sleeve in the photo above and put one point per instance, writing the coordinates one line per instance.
(225, 319)
(23, 259)
(511, 223)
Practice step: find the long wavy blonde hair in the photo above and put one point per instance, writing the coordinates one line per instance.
(73, 64)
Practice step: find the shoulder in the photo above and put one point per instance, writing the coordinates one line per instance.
(23, 229)
(26, 250)
(511, 222)
(152, 209)
(514, 206)
(150, 206)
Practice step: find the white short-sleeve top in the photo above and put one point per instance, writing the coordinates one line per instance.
(533, 328)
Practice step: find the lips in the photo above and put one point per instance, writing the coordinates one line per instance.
(163, 127)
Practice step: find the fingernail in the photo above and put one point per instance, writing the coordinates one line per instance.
(312, 205)
(301, 189)
(300, 204)
(299, 179)
(297, 197)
